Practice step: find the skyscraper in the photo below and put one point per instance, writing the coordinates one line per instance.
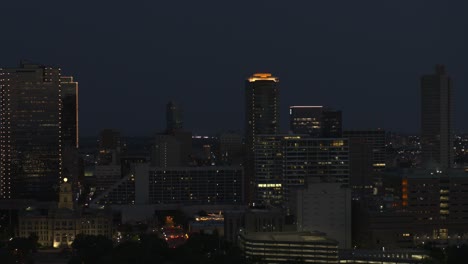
(332, 124)
(436, 118)
(31, 132)
(375, 142)
(261, 117)
(306, 120)
(316, 121)
(70, 111)
(174, 117)
(284, 163)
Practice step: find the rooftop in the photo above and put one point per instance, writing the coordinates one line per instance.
(304, 236)
(262, 77)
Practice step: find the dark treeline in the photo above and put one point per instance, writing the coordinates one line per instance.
(149, 248)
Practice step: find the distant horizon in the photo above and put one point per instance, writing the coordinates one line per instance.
(364, 58)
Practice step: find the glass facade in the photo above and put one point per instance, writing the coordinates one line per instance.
(31, 132)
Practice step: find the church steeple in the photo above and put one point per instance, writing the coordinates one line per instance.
(66, 195)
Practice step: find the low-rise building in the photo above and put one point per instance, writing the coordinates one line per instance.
(288, 247)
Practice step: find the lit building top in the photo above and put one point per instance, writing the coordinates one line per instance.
(263, 77)
(306, 106)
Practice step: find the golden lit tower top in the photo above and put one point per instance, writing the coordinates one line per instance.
(263, 77)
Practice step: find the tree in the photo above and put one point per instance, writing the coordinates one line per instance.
(33, 239)
(90, 249)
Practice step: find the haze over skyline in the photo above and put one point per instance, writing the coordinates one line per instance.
(364, 58)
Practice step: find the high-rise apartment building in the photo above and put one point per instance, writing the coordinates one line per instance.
(315, 121)
(436, 118)
(261, 117)
(32, 136)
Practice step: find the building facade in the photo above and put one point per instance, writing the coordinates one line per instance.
(262, 116)
(58, 226)
(288, 247)
(285, 162)
(174, 117)
(436, 118)
(325, 207)
(176, 185)
(316, 121)
(70, 131)
(375, 141)
(32, 131)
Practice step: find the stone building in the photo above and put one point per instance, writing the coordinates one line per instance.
(59, 225)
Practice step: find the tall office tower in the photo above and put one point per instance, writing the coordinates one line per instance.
(306, 120)
(315, 121)
(311, 160)
(436, 118)
(373, 139)
(268, 169)
(287, 162)
(361, 172)
(109, 147)
(174, 118)
(166, 151)
(261, 117)
(31, 132)
(332, 124)
(70, 111)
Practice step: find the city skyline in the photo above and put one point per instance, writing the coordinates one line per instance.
(316, 50)
(246, 132)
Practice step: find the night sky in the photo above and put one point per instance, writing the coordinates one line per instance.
(131, 57)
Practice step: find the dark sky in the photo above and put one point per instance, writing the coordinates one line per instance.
(131, 57)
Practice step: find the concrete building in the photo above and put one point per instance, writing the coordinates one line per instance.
(396, 256)
(285, 162)
(436, 200)
(325, 207)
(427, 207)
(288, 247)
(176, 185)
(255, 219)
(436, 118)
